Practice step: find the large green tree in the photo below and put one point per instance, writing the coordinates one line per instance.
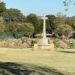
(63, 29)
(13, 15)
(35, 20)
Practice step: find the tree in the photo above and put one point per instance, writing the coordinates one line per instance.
(13, 15)
(32, 18)
(60, 18)
(67, 4)
(2, 7)
(26, 28)
(70, 21)
(23, 28)
(2, 25)
(50, 26)
(63, 29)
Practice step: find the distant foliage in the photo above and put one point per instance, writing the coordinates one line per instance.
(13, 21)
(2, 7)
(2, 25)
(64, 29)
(24, 28)
(13, 15)
(35, 20)
(67, 4)
(71, 43)
(56, 43)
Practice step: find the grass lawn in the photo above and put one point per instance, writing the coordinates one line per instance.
(62, 60)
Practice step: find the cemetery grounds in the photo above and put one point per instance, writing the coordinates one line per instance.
(58, 62)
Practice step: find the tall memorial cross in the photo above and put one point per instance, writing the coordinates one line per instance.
(44, 40)
(44, 25)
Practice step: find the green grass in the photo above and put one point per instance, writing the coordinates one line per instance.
(60, 60)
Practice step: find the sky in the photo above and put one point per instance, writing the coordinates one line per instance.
(40, 7)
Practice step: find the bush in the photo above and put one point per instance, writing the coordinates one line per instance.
(56, 43)
(33, 42)
(64, 30)
(15, 43)
(71, 43)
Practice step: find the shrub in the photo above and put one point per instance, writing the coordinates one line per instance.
(64, 29)
(56, 43)
(33, 42)
(71, 43)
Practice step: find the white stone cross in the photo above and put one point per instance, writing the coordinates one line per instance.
(44, 25)
(43, 43)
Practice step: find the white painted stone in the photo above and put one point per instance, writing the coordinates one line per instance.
(43, 44)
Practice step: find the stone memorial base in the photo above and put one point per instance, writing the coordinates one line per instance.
(43, 45)
(46, 47)
(49, 47)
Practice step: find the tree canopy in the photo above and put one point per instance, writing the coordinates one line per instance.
(35, 20)
(2, 7)
(13, 20)
(13, 15)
